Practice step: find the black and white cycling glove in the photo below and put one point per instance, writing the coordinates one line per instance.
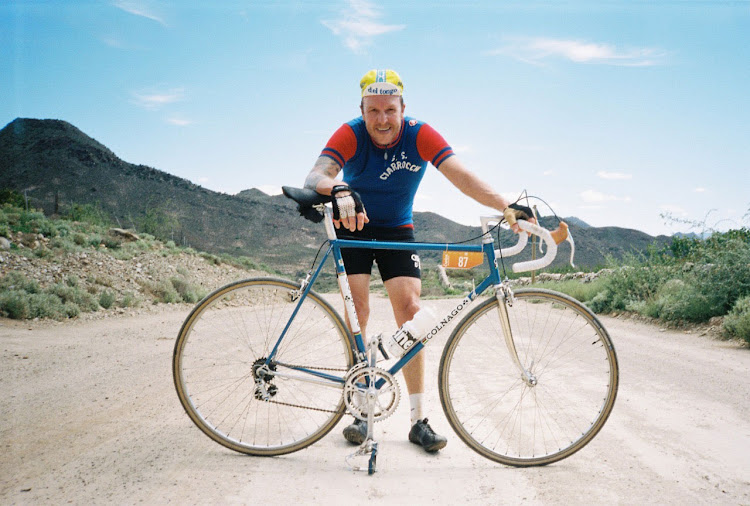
(515, 212)
(345, 206)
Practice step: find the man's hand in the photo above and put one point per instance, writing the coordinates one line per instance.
(515, 212)
(348, 209)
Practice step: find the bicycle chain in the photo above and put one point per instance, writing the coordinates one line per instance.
(293, 366)
(300, 406)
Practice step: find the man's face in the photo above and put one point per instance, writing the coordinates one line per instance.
(383, 116)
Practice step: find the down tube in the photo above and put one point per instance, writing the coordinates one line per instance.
(493, 279)
(302, 298)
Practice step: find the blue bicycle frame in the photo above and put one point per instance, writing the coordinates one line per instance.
(335, 247)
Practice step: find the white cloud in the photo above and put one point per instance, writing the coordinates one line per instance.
(596, 197)
(700, 190)
(155, 99)
(358, 24)
(537, 49)
(179, 121)
(139, 8)
(613, 175)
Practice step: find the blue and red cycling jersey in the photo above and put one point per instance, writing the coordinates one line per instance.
(387, 177)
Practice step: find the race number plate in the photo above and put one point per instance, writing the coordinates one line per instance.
(462, 259)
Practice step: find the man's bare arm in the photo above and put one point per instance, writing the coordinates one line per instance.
(466, 181)
(322, 177)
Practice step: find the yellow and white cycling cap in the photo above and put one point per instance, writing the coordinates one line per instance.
(381, 82)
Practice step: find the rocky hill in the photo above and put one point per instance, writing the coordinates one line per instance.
(57, 166)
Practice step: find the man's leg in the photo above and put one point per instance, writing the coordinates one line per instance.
(359, 284)
(404, 293)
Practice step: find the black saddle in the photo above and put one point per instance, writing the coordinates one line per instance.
(306, 199)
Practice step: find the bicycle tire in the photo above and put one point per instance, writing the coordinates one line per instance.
(229, 334)
(508, 420)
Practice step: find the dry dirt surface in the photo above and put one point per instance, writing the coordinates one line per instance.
(89, 415)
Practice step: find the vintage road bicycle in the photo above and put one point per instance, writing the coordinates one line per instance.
(266, 366)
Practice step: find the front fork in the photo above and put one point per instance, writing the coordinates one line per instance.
(505, 299)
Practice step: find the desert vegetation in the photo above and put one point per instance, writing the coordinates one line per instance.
(687, 281)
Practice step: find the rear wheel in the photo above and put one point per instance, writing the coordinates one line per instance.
(545, 415)
(232, 392)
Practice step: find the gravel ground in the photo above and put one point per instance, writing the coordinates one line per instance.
(88, 415)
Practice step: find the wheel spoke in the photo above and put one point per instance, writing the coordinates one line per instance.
(229, 336)
(498, 413)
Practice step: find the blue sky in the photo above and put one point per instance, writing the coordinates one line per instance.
(613, 111)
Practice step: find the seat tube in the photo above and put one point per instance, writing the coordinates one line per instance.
(346, 293)
(343, 282)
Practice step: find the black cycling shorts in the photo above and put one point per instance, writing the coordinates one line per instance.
(391, 263)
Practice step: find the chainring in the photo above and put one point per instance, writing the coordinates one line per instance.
(384, 400)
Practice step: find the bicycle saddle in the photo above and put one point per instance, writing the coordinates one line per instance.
(306, 199)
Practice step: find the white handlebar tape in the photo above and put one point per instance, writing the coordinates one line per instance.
(515, 249)
(540, 263)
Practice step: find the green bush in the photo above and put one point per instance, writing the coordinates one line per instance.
(14, 304)
(88, 213)
(129, 299)
(737, 321)
(21, 305)
(677, 300)
(106, 299)
(583, 292)
(162, 291)
(19, 282)
(188, 292)
(72, 294)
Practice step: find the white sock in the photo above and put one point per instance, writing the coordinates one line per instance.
(416, 402)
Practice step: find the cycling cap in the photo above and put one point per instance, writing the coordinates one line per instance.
(381, 82)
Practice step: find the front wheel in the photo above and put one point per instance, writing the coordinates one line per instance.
(239, 398)
(550, 410)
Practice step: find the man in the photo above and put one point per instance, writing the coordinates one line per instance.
(384, 156)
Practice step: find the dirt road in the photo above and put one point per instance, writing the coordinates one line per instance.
(88, 414)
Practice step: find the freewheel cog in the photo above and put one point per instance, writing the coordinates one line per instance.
(360, 399)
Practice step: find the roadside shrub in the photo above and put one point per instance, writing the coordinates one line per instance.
(129, 299)
(106, 299)
(79, 239)
(95, 240)
(188, 292)
(19, 282)
(677, 300)
(162, 291)
(737, 321)
(582, 292)
(88, 213)
(111, 242)
(74, 295)
(46, 305)
(21, 305)
(13, 304)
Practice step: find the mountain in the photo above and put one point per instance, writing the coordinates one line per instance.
(57, 166)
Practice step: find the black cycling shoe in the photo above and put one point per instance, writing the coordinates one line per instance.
(356, 432)
(422, 434)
